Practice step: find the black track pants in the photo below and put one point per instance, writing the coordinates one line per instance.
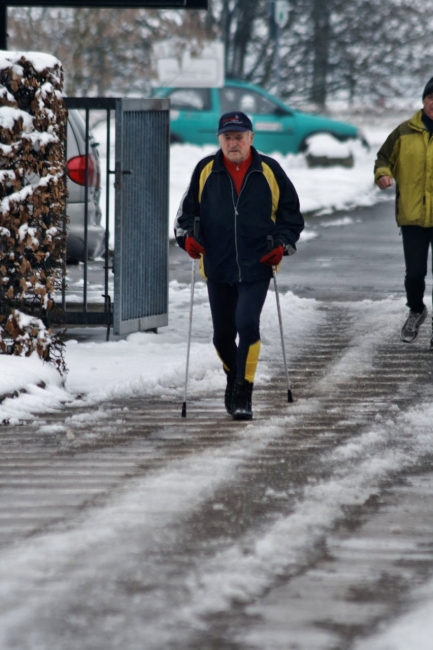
(236, 310)
(416, 243)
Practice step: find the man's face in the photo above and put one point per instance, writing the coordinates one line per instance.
(428, 105)
(236, 145)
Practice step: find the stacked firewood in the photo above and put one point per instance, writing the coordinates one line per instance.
(33, 121)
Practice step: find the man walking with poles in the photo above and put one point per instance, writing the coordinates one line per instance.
(239, 216)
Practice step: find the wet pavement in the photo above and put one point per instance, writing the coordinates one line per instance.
(348, 255)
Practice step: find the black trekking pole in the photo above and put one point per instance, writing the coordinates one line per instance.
(191, 305)
(289, 391)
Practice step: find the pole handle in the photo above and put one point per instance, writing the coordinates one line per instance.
(196, 228)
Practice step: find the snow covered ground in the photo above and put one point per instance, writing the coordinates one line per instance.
(154, 364)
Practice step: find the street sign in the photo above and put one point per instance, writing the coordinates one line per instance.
(117, 4)
(281, 12)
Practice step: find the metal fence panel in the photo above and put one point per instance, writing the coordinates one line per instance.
(81, 312)
(141, 215)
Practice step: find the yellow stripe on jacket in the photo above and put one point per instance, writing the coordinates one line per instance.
(205, 173)
(275, 190)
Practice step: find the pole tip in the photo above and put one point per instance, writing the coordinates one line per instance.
(184, 410)
(289, 396)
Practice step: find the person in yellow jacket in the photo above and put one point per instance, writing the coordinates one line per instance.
(407, 157)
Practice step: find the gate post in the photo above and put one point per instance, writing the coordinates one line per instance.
(141, 215)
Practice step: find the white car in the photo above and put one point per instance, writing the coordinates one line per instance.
(76, 168)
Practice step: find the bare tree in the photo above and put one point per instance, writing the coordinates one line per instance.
(103, 51)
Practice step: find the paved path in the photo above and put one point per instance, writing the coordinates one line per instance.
(142, 530)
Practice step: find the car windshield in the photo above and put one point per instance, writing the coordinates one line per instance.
(190, 99)
(246, 100)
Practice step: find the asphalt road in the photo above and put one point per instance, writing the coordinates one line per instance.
(363, 259)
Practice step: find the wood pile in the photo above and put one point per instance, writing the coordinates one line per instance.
(33, 120)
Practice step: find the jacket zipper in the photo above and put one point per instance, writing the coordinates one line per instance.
(235, 206)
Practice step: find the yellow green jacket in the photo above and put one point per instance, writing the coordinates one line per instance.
(407, 156)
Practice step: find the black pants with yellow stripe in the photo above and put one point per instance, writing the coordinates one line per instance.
(236, 310)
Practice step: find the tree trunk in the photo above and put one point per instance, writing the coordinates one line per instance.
(236, 28)
(246, 13)
(321, 43)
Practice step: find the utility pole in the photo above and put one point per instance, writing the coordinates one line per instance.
(3, 26)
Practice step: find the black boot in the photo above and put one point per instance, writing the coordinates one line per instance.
(242, 401)
(228, 397)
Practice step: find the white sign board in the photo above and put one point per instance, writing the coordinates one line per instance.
(281, 15)
(189, 65)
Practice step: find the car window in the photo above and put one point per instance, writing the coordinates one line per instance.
(190, 99)
(246, 100)
(75, 136)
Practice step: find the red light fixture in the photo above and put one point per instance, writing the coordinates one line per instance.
(76, 169)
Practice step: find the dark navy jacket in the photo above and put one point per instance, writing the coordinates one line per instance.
(234, 229)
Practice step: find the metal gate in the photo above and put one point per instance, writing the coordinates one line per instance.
(141, 168)
(141, 223)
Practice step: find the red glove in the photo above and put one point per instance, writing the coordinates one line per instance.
(193, 248)
(274, 257)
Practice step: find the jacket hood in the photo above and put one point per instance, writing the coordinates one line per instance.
(416, 122)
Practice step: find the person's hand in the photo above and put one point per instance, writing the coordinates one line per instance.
(274, 257)
(384, 182)
(193, 248)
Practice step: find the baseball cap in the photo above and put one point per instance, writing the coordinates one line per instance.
(234, 121)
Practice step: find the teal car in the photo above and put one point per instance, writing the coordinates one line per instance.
(195, 113)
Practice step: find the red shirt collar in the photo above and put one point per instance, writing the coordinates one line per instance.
(242, 166)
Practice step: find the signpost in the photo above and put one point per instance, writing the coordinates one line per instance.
(279, 15)
(281, 12)
(107, 4)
